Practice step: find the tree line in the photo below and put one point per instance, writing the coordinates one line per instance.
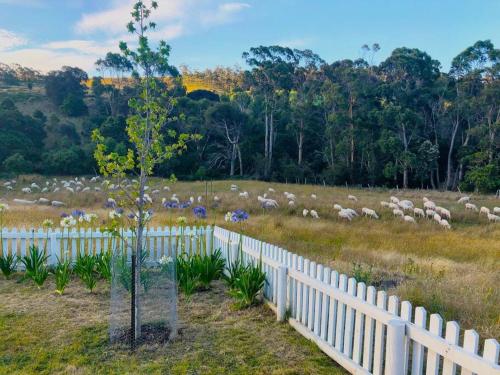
(290, 116)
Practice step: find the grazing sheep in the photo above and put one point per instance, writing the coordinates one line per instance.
(191, 199)
(314, 214)
(57, 204)
(493, 218)
(85, 189)
(464, 199)
(313, 196)
(484, 210)
(234, 187)
(394, 199)
(43, 201)
(369, 212)
(156, 191)
(23, 201)
(97, 188)
(174, 198)
(271, 190)
(406, 204)
(290, 196)
(471, 206)
(45, 189)
(351, 212)
(244, 195)
(398, 212)
(445, 213)
(291, 203)
(337, 207)
(437, 218)
(216, 199)
(343, 214)
(409, 219)
(26, 190)
(425, 199)
(71, 190)
(267, 202)
(444, 223)
(384, 204)
(305, 212)
(496, 210)
(35, 186)
(418, 212)
(430, 205)
(430, 213)
(352, 198)
(166, 188)
(393, 206)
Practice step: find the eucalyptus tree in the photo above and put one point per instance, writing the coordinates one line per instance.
(149, 115)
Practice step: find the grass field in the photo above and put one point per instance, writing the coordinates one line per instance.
(41, 333)
(452, 272)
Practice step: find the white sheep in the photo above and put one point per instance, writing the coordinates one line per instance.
(471, 206)
(398, 212)
(314, 214)
(337, 207)
(271, 190)
(313, 196)
(430, 213)
(155, 191)
(290, 196)
(244, 195)
(444, 223)
(199, 199)
(406, 204)
(26, 190)
(43, 201)
(352, 198)
(409, 219)
(71, 190)
(351, 212)
(484, 210)
(343, 214)
(464, 199)
(425, 199)
(394, 199)
(430, 205)
(437, 218)
(369, 212)
(45, 189)
(191, 199)
(384, 204)
(445, 213)
(393, 206)
(57, 204)
(23, 201)
(267, 202)
(166, 188)
(493, 218)
(305, 212)
(418, 212)
(291, 203)
(85, 189)
(496, 210)
(234, 187)
(35, 186)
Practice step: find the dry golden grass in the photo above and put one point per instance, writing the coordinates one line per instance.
(453, 272)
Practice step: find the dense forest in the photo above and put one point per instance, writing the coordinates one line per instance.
(290, 116)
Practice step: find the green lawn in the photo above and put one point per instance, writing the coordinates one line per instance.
(42, 333)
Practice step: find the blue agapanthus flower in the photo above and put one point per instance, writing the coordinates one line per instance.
(239, 216)
(119, 210)
(110, 204)
(185, 204)
(64, 214)
(170, 204)
(77, 213)
(200, 212)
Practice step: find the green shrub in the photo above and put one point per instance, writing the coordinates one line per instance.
(362, 274)
(8, 264)
(209, 268)
(62, 273)
(234, 271)
(248, 286)
(187, 278)
(85, 268)
(36, 268)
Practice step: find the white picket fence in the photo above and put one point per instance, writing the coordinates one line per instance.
(161, 241)
(365, 331)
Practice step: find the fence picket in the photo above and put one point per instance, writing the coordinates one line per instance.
(471, 345)
(357, 349)
(339, 335)
(417, 363)
(324, 305)
(435, 327)
(349, 319)
(312, 296)
(318, 299)
(491, 350)
(406, 315)
(369, 331)
(332, 320)
(305, 293)
(378, 350)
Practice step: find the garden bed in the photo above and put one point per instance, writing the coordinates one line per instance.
(43, 333)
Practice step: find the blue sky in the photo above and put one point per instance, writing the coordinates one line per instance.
(46, 34)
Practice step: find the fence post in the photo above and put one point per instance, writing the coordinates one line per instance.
(281, 297)
(208, 239)
(394, 360)
(233, 249)
(53, 247)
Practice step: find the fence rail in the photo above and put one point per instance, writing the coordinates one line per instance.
(364, 330)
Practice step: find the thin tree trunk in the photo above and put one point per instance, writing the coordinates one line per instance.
(233, 159)
(450, 152)
(301, 141)
(240, 160)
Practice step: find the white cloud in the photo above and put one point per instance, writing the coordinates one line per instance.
(224, 13)
(9, 40)
(86, 47)
(296, 42)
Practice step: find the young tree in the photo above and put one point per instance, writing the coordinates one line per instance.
(145, 129)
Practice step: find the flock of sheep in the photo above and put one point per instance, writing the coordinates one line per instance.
(402, 208)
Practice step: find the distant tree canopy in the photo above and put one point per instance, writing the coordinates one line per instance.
(290, 116)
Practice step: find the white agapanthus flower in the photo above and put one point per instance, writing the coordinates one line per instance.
(114, 215)
(228, 216)
(164, 260)
(47, 223)
(68, 222)
(87, 218)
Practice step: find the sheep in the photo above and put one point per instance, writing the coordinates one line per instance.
(444, 223)
(409, 219)
(267, 202)
(393, 206)
(464, 199)
(430, 205)
(369, 212)
(398, 212)
(430, 213)
(244, 195)
(305, 212)
(57, 204)
(406, 204)
(71, 190)
(493, 218)
(384, 204)
(35, 186)
(43, 201)
(290, 196)
(484, 210)
(496, 210)
(191, 199)
(85, 189)
(45, 189)
(446, 213)
(314, 214)
(425, 199)
(418, 212)
(337, 207)
(437, 218)
(313, 196)
(26, 190)
(343, 214)
(156, 191)
(271, 190)
(291, 203)
(471, 206)
(234, 187)
(166, 188)
(394, 199)
(23, 201)
(351, 212)
(97, 188)
(10, 188)
(352, 198)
